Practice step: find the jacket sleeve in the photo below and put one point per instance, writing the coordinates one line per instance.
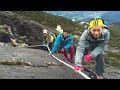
(56, 44)
(82, 44)
(101, 47)
(70, 43)
(43, 40)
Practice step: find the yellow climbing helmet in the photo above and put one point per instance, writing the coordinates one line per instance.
(96, 22)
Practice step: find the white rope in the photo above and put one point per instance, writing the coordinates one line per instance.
(84, 75)
(36, 45)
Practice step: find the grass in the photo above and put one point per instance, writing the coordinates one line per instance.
(115, 36)
(114, 59)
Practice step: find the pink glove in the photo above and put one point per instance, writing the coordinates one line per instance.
(87, 58)
(78, 67)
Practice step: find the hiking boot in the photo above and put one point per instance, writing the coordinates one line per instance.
(72, 61)
(92, 75)
(99, 77)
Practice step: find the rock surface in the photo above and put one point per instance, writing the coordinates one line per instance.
(48, 68)
(39, 65)
(23, 27)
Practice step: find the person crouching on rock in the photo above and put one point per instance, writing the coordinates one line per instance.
(64, 42)
(48, 38)
(91, 46)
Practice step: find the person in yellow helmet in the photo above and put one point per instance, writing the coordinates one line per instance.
(91, 46)
(48, 38)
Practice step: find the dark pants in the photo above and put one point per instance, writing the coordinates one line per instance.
(99, 68)
(99, 64)
(71, 51)
(50, 46)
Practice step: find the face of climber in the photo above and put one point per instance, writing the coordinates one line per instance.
(45, 34)
(96, 31)
(65, 34)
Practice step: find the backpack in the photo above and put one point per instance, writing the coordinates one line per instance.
(52, 37)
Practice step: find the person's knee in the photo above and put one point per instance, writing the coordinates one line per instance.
(71, 48)
(99, 57)
(101, 54)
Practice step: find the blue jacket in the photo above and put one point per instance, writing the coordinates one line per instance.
(86, 40)
(63, 43)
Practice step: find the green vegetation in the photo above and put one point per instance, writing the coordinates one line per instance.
(114, 59)
(115, 36)
(51, 20)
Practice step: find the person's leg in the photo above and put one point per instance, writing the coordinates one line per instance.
(50, 45)
(71, 50)
(65, 54)
(99, 70)
(59, 50)
(62, 52)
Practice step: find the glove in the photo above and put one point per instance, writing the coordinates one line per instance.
(78, 68)
(87, 58)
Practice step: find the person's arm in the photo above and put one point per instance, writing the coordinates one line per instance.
(101, 47)
(82, 44)
(70, 43)
(47, 40)
(51, 39)
(11, 35)
(56, 44)
(43, 40)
